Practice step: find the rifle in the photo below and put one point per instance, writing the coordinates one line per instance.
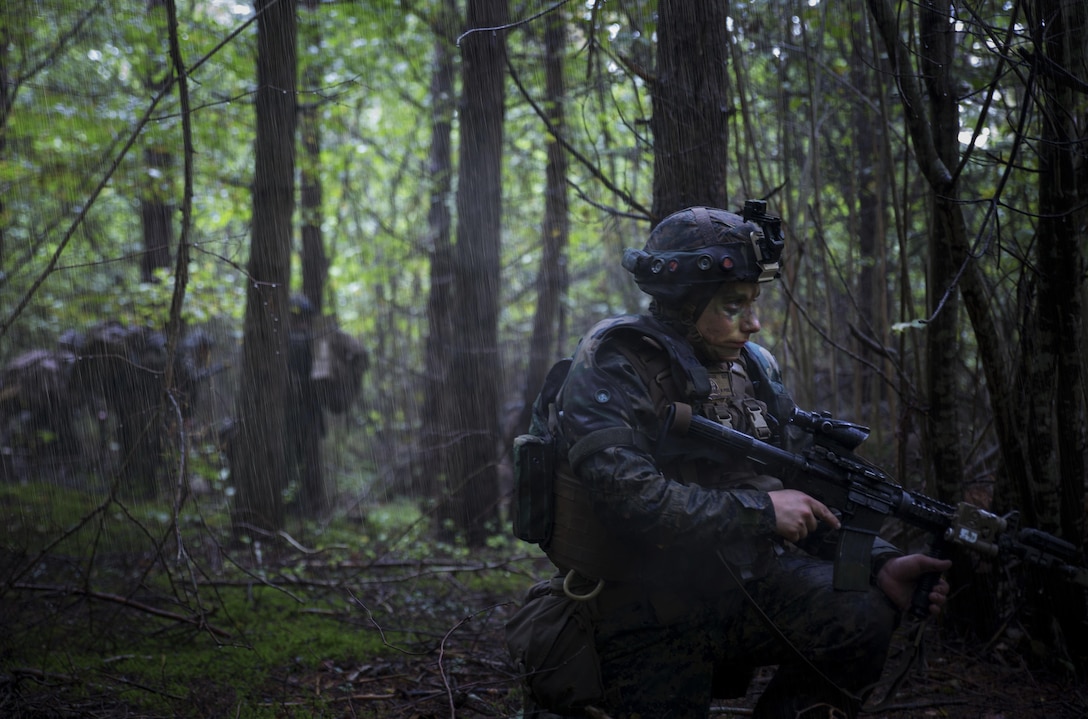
(864, 496)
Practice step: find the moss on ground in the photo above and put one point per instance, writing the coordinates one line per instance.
(99, 605)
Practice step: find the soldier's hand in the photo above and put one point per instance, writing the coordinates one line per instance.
(796, 514)
(898, 576)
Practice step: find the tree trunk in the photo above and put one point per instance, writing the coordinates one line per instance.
(315, 263)
(5, 111)
(315, 496)
(873, 188)
(438, 422)
(1054, 391)
(691, 106)
(156, 215)
(946, 230)
(257, 451)
(156, 211)
(551, 281)
(471, 494)
(1058, 466)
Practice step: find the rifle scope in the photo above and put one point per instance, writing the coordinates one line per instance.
(823, 426)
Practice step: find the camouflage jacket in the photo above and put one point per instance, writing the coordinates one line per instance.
(678, 515)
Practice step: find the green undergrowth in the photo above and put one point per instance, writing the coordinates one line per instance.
(164, 614)
(264, 642)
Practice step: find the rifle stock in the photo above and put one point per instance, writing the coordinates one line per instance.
(863, 496)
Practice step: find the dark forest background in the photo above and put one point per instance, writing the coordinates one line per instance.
(424, 203)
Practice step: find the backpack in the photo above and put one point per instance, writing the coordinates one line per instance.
(536, 456)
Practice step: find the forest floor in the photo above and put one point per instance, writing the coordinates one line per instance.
(280, 629)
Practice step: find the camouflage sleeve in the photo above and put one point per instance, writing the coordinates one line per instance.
(604, 397)
(883, 550)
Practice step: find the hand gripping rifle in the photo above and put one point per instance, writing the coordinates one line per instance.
(863, 496)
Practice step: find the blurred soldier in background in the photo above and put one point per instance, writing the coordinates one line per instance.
(124, 366)
(305, 419)
(117, 372)
(35, 410)
(326, 367)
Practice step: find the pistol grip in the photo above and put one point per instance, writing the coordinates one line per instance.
(919, 603)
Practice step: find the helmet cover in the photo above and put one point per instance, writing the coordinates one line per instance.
(694, 250)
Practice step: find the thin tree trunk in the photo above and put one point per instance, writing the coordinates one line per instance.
(1058, 464)
(471, 498)
(551, 282)
(6, 100)
(156, 216)
(871, 193)
(315, 496)
(438, 422)
(315, 263)
(1054, 385)
(946, 230)
(258, 462)
(156, 210)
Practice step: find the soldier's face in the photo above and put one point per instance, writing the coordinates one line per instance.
(729, 320)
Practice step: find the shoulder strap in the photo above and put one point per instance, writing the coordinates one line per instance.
(688, 373)
(767, 382)
(662, 359)
(540, 423)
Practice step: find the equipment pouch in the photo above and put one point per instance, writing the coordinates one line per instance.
(534, 478)
(551, 642)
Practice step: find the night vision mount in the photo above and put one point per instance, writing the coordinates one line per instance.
(669, 272)
(767, 244)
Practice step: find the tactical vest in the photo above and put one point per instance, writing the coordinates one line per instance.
(671, 371)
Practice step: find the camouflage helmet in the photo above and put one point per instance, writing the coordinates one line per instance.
(691, 252)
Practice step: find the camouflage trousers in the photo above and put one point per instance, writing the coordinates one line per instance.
(830, 647)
